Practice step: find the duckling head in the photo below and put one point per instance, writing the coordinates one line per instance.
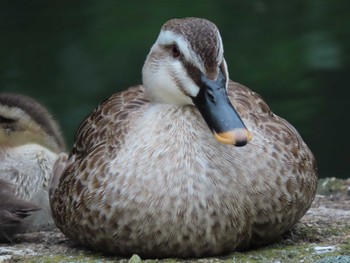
(186, 66)
(23, 121)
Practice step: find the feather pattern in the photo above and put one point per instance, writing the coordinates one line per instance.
(148, 177)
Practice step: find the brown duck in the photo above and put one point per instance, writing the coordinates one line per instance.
(147, 176)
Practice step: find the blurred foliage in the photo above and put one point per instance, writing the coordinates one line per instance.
(70, 55)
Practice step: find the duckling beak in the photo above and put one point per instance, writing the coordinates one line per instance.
(223, 120)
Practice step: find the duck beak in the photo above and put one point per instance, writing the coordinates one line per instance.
(222, 118)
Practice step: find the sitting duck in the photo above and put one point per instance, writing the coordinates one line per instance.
(188, 164)
(30, 141)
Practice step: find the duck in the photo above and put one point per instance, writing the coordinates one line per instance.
(13, 212)
(30, 141)
(188, 164)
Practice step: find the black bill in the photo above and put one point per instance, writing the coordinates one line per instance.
(215, 107)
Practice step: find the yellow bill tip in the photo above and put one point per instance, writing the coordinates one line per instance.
(237, 137)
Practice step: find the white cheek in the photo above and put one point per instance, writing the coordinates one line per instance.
(226, 72)
(187, 83)
(161, 85)
(192, 88)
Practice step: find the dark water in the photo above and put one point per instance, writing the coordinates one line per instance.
(70, 55)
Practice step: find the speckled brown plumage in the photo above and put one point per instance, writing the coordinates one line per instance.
(148, 178)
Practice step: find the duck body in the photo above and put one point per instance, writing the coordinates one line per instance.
(148, 177)
(157, 192)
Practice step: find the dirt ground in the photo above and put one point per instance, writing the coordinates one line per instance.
(324, 232)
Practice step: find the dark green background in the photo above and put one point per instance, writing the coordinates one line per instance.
(70, 55)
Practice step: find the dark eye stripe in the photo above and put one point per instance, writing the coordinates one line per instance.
(179, 84)
(192, 71)
(6, 120)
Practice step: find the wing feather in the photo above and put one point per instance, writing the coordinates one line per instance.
(109, 122)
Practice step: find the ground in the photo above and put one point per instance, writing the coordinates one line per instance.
(322, 235)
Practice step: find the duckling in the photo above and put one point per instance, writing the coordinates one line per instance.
(29, 143)
(13, 212)
(155, 170)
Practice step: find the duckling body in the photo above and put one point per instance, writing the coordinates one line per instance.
(29, 144)
(29, 168)
(13, 212)
(147, 176)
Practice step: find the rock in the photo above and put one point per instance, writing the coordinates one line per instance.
(338, 259)
(135, 259)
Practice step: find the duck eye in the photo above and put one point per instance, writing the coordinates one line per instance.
(175, 50)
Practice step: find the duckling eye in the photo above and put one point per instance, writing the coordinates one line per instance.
(175, 50)
(6, 120)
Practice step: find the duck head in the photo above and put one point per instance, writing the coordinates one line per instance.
(23, 121)
(186, 66)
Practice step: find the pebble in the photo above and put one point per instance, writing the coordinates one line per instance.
(336, 259)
